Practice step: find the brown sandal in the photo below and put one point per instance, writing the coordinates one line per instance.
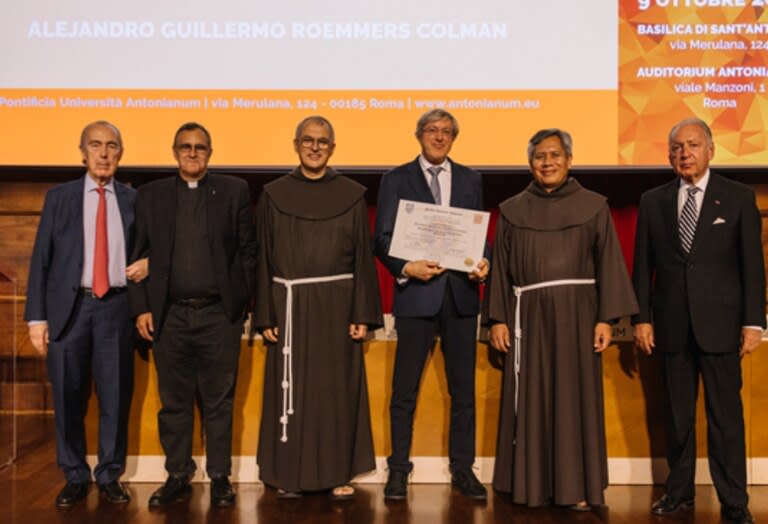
(580, 506)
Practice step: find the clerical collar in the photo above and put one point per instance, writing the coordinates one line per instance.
(192, 184)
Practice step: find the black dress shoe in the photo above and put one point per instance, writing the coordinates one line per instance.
(115, 492)
(222, 494)
(175, 488)
(397, 485)
(71, 494)
(736, 514)
(468, 485)
(667, 505)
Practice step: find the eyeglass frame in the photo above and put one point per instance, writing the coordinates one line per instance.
(307, 142)
(186, 149)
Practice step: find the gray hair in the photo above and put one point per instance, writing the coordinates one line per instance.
(543, 134)
(691, 122)
(99, 123)
(433, 116)
(319, 120)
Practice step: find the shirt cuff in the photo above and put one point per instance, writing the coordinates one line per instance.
(36, 322)
(403, 278)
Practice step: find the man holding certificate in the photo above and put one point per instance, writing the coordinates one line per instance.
(429, 297)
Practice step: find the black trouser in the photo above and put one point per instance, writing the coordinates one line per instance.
(415, 339)
(721, 374)
(197, 352)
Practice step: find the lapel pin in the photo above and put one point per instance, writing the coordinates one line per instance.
(717, 202)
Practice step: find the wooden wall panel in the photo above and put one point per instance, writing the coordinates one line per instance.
(22, 197)
(634, 404)
(20, 207)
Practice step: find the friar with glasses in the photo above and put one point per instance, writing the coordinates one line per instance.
(429, 300)
(559, 281)
(197, 230)
(317, 298)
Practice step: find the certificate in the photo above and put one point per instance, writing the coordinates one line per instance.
(452, 236)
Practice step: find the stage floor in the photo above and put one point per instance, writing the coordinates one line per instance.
(28, 489)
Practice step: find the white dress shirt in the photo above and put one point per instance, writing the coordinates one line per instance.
(444, 177)
(682, 194)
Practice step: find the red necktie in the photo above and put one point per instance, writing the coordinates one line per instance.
(100, 250)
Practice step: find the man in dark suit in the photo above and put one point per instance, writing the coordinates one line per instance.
(77, 311)
(700, 283)
(428, 300)
(197, 230)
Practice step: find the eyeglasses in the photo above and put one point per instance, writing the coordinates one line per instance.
(432, 130)
(200, 149)
(308, 142)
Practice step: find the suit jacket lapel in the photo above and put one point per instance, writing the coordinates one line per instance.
(126, 212)
(669, 208)
(77, 202)
(458, 196)
(169, 210)
(418, 183)
(213, 210)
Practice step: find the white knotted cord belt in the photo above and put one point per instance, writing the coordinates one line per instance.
(519, 290)
(287, 383)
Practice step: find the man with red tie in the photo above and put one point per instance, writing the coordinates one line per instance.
(77, 311)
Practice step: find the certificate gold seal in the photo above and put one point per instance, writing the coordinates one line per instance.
(469, 262)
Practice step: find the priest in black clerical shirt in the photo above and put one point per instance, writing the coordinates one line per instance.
(197, 230)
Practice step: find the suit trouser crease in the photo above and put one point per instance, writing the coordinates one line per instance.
(721, 376)
(196, 357)
(96, 345)
(415, 340)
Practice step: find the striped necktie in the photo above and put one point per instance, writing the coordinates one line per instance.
(434, 184)
(688, 218)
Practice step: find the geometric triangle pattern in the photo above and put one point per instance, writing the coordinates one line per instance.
(679, 62)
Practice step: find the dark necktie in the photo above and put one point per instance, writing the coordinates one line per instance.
(100, 283)
(434, 184)
(688, 217)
